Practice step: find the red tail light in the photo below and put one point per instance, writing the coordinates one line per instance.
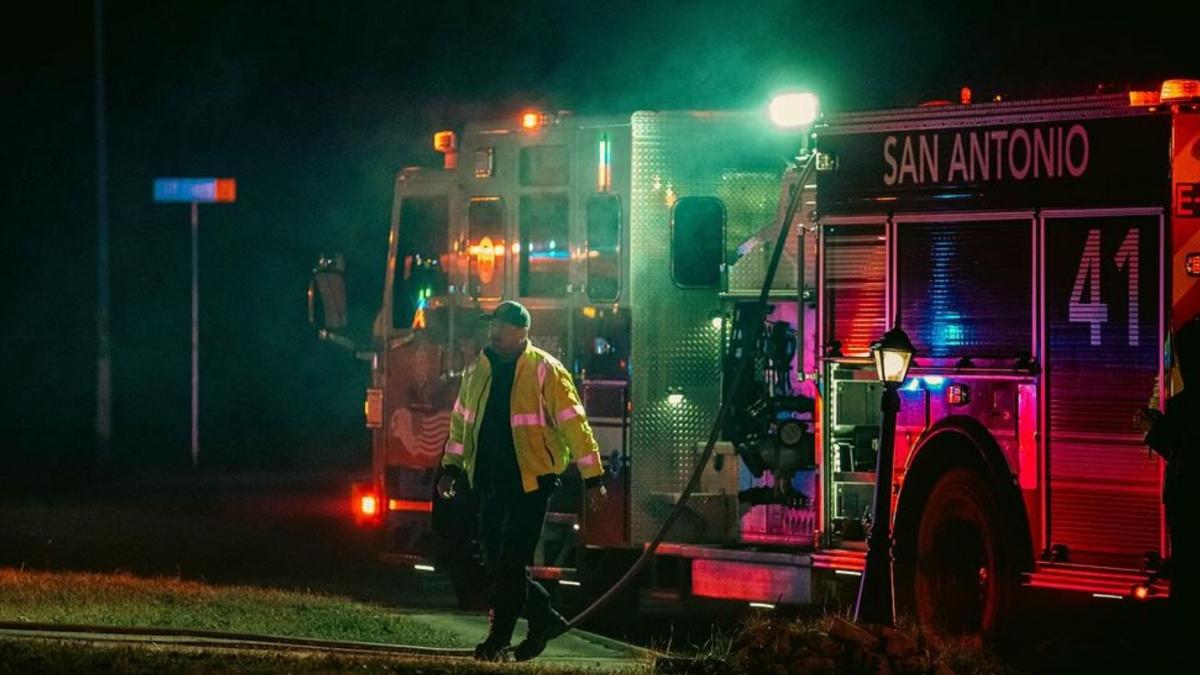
(531, 120)
(367, 504)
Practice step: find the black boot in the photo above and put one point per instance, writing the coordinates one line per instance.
(543, 628)
(490, 650)
(495, 647)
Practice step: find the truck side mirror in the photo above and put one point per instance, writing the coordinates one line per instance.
(329, 283)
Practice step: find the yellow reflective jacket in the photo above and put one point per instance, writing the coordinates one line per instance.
(549, 427)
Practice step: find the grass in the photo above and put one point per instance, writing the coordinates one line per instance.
(125, 600)
(49, 657)
(964, 656)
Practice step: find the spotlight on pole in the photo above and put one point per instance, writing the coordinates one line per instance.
(794, 109)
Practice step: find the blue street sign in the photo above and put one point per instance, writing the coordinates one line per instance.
(204, 190)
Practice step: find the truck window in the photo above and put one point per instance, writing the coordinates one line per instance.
(423, 238)
(603, 248)
(855, 264)
(697, 242)
(485, 248)
(964, 288)
(545, 166)
(545, 246)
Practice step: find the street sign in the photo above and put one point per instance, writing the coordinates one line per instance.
(199, 190)
(195, 191)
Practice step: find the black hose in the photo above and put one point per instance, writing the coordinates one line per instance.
(715, 432)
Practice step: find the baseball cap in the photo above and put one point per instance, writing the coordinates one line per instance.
(511, 313)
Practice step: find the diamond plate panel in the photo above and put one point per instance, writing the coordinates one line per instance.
(750, 240)
(674, 347)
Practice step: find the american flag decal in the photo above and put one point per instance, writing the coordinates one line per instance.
(422, 433)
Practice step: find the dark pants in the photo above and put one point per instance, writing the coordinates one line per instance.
(511, 525)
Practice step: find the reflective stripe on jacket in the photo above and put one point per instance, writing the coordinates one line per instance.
(548, 423)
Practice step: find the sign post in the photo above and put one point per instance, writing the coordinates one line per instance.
(195, 191)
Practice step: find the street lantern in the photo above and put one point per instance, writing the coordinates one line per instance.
(876, 601)
(893, 353)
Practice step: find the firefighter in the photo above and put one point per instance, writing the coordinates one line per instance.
(1175, 435)
(516, 425)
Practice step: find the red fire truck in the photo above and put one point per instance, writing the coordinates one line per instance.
(1037, 252)
(628, 237)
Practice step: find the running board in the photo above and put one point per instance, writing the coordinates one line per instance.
(407, 560)
(716, 553)
(840, 560)
(760, 577)
(1103, 582)
(423, 564)
(551, 573)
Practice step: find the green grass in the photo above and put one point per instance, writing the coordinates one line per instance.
(49, 657)
(125, 600)
(784, 633)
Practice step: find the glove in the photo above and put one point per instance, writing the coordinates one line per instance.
(447, 481)
(596, 496)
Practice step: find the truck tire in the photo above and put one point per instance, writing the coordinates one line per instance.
(963, 577)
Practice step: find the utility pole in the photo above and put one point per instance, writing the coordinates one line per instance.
(103, 329)
(195, 334)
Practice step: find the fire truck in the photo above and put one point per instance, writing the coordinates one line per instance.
(1039, 254)
(630, 239)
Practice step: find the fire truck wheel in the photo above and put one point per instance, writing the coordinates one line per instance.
(963, 569)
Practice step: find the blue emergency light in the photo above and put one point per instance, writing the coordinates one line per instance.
(200, 190)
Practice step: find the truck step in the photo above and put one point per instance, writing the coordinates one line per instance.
(1099, 581)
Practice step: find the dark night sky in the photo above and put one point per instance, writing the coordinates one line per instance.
(314, 105)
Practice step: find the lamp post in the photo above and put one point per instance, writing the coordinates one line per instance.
(876, 601)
